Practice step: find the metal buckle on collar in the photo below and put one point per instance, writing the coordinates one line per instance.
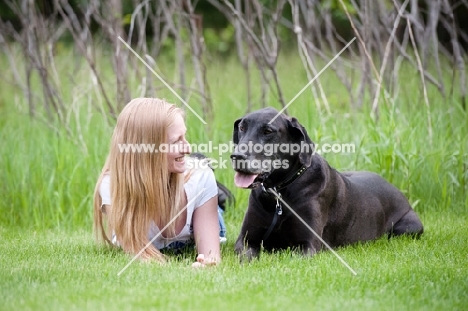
(277, 195)
(279, 209)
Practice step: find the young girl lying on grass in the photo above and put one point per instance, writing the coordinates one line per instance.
(153, 196)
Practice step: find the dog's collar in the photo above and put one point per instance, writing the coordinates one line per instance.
(288, 181)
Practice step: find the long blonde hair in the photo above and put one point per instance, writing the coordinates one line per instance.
(142, 189)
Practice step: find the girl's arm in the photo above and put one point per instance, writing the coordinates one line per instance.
(206, 233)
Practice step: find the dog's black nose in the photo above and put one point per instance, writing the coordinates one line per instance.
(238, 156)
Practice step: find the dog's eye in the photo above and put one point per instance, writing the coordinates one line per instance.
(241, 128)
(267, 131)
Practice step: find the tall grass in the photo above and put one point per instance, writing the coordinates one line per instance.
(49, 175)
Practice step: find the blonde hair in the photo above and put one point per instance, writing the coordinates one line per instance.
(142, 189)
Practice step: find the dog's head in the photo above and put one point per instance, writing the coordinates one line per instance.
(268, 145)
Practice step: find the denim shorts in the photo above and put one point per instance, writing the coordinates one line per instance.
(179, 245)
(222, 226)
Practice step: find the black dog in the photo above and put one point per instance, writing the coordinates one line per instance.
(342, 208)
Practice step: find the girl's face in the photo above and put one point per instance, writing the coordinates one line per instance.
(178, 146)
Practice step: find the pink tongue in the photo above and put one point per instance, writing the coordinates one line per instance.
(244, 180)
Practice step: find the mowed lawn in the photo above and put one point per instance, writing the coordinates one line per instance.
(60, 270)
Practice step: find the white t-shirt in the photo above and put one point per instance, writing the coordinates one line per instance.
(200, 187)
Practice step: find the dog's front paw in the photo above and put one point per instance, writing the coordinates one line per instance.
(308, 250)
(247, 253)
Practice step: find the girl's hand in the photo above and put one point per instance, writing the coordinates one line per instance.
(202, 262)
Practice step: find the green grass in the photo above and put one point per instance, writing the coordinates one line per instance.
(60, 270)
(49, 259)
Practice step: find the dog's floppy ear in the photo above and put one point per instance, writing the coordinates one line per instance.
(299, 135)
(235, 133)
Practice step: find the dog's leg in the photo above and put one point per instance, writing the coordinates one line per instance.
(408, 224)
